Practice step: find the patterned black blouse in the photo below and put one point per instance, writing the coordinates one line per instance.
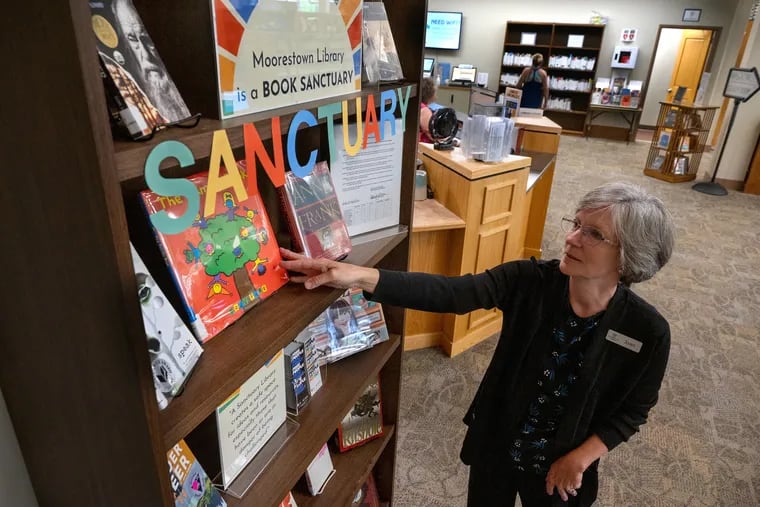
(530, 448)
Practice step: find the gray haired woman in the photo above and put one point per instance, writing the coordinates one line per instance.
(580, 358)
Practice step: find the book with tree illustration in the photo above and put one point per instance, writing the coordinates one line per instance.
(314, 216)
(190, 484)
(365, 420)
(224, 263)
(349, 325)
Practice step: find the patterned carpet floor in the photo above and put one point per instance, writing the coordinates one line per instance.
(701, 446)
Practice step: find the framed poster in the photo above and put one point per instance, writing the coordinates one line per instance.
(741, 83)
(271, 53)
(691, 14)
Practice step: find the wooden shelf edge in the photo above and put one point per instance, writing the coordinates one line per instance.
(130, 155)
(670, 178)
(344, 383)
(351, 471)
(230, 358)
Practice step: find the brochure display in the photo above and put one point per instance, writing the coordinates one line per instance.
(272, 54)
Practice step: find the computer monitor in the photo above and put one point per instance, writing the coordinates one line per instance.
(427, 67)
(464, 74)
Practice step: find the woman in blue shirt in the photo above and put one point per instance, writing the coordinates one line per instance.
(535, 84)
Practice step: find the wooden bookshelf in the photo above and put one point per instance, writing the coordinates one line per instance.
(552, 40)
(77, 379)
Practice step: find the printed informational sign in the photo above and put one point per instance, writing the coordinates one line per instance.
(250, 416)
(273, 53)
(742, 84)
(368, 184)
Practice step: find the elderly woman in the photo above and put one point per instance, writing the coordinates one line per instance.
(580, 358)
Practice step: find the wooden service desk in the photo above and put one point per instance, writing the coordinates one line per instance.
(479, 218)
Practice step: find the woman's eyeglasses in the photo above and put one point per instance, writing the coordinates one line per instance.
(589, 235)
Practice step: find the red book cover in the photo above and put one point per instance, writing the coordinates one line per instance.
(365, 420)
(367, 496)
(314, 215)
(223, 264)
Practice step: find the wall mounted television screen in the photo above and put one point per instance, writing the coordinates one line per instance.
(444, 30)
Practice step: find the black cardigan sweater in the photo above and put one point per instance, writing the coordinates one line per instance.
(616, 387)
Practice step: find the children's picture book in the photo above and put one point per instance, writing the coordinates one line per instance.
(311, 360)
(190, 484)
(349, 325)
(223, 264)
(297, 388)
(320, 471)
(365, 420)
(142, 94)
(381, 62)
(658, 161)
(314, 215)
(512, 99)
(670, 119)
(172, 347)
(664, 140)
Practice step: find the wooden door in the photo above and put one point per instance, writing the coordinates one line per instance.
(689, 63)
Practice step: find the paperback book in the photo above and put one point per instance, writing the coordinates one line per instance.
(172, 347)
(223, 264)
(311, 360)
(314, 215)
(141, 93)
(349, 325)
(365, 420)
(190, 484)
(297, 390)
(381, 62)
(664, 140)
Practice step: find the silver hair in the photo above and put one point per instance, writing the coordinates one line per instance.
(642, 224)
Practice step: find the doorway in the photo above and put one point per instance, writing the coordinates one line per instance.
(682, 56)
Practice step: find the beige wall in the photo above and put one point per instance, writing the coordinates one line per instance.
(662, 71)
(485, 21)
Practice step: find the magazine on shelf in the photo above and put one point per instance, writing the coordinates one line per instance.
(349, 325)
(664, 140)
(658, 162)
(364, 422)
(314, 215)
(288, 501)
(141, 93)
(172, 347)
(223, 264)
(381, 62)
(190, 484)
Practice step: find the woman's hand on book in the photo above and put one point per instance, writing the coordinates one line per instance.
(318, 272)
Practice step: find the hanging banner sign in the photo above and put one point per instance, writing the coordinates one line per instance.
(273, 53)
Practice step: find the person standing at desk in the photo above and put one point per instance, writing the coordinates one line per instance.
(427, 97)
(535, 84)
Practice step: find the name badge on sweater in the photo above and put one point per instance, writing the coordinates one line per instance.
(624, 341)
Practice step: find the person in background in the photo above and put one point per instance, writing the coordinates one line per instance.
(427, 96)
(580, 358)
(535, 84)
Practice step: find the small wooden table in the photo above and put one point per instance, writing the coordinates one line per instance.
(631, 116)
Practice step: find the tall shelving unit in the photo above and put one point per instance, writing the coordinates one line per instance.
(76, 375)
(552, 41)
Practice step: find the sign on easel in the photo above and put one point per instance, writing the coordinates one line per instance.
(742, 84)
